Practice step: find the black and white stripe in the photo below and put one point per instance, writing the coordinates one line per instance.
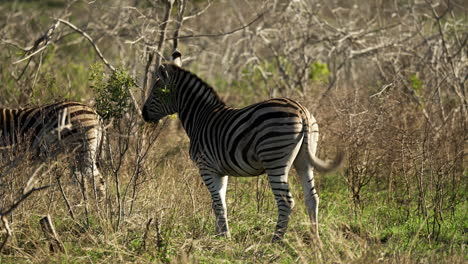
(270, 137)
(49, 130)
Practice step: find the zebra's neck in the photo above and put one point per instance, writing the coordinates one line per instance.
(196, 102)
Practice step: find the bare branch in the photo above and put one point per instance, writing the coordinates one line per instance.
(384, 88)
(155, 57)
(99, 53)
(28, 189)
(45, 38)
(224, 33)
(21, 199)
(180, 19)
(8, 232)
(48, 36)
(199, 12)
(16, 45)
(49, 230)
(162, 34)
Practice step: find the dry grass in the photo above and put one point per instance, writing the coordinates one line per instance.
(169, 219)
(385, 80)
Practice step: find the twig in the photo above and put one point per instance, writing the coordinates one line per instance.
(21, 199)
(48, 228)
(180, 20)
(27, 190)
(200, 12)
(48, 36)
(64, 196)
(145, 235)
(16, 45)
(163, 27)
(385, 87)
(136, 10)
(221, 34)
(32, 54)
(154, 57)
(45, 38)
(112, 68)
(8, 232)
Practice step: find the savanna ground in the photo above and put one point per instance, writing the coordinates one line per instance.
(386, 81)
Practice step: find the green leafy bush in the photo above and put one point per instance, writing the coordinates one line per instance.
(113, 93)
(416, 84)
(319, 72)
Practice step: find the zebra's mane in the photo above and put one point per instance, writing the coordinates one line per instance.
(171, 68)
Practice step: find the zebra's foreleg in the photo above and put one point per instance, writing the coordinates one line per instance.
(285, 202)
(99, 184)
(217, 185)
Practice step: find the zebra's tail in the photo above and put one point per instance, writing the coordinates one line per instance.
(311, 140)
(326, 166)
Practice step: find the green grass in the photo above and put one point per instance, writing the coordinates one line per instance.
(378, 232)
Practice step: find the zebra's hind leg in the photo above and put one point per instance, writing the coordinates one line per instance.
(306, 174)
(217, 185)
(278, 179)
(99, 185)
(90, 172)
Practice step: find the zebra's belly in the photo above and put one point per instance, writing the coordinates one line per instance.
(243, 172)
(242, 166)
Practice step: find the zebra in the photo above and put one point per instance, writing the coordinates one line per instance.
(53, 129)
(267, 137)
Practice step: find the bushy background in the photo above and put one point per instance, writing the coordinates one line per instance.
(386, 81)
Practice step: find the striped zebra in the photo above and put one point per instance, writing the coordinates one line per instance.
(267, 137)
(54, 129)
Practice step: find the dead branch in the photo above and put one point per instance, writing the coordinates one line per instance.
(84, 34)
(224, 33)
(384, 88)
(48, 228)
(199, 13)
(16, 45)
(21, 199)
(155, 56)
(48, 36)
(45, 38)
(180, 19)
(162, 32)
(64, 196)
(8, 232)
(145, 235)
(27, 190)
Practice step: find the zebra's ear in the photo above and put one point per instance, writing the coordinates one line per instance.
(176, 58)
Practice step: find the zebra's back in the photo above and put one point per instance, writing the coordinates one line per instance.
(47, 127)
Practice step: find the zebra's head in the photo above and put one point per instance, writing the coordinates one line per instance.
(161, 100)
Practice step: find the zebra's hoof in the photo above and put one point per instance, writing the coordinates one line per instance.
(277, 238)
(226, 235)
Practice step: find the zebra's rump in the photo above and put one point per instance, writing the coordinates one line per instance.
(59, 127)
